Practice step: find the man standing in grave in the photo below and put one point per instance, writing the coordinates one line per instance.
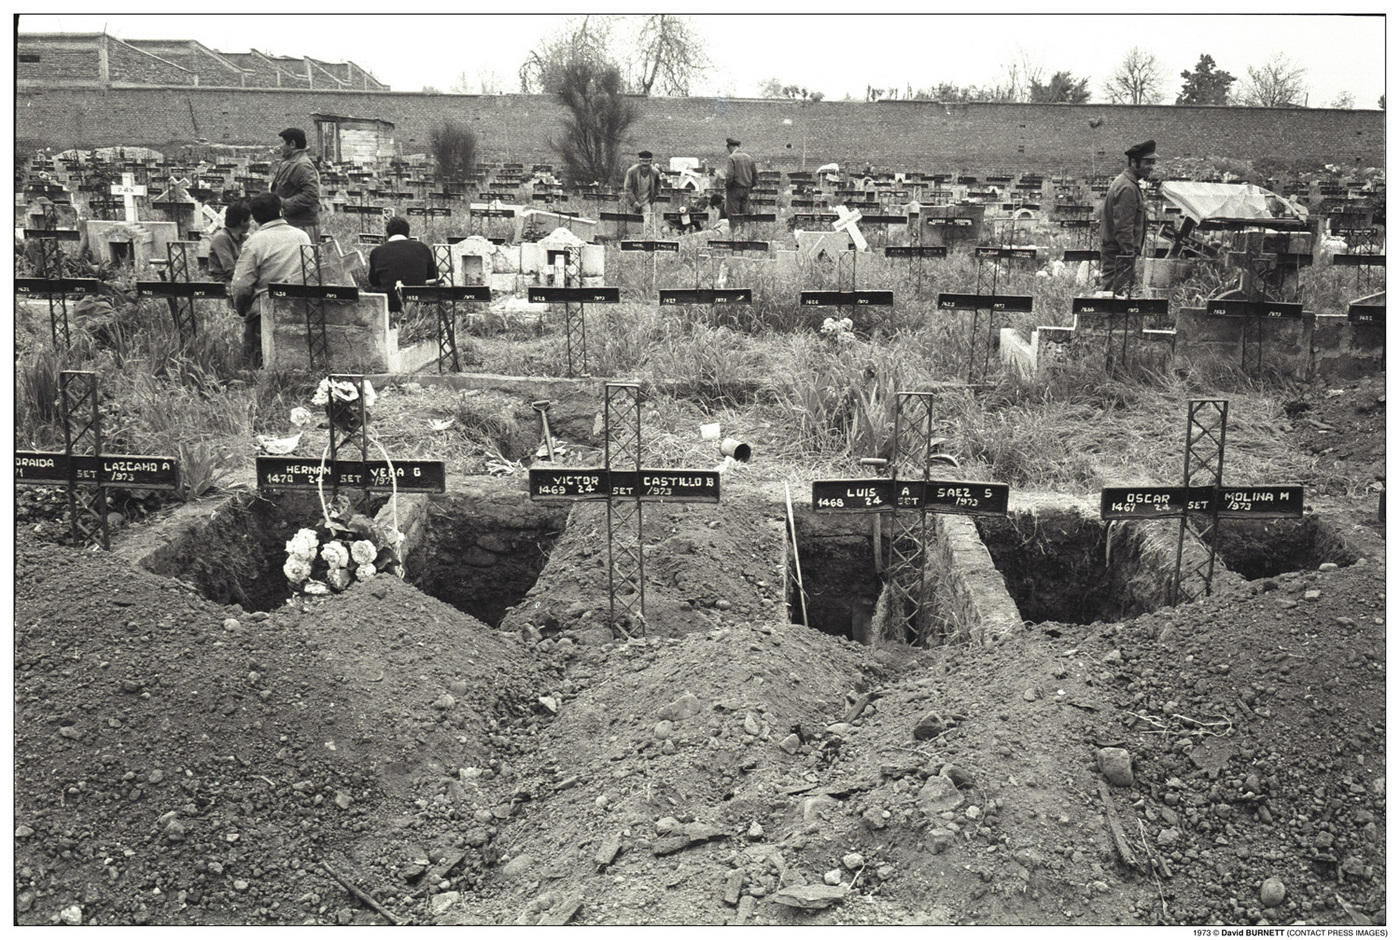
(739, 177)
(271, 255)
(227, 242)
(297, 182)
(641, 186)
(400, 260)
(1123, 220)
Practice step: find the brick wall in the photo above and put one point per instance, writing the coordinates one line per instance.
(210, 68)
(980, 138)
(66, 59)
(128, 64)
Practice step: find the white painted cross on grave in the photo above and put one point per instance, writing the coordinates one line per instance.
(846, 220)
(128, 190)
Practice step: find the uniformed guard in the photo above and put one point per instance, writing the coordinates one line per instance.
(1123, 221)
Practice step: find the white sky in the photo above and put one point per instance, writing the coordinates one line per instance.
(837, 54)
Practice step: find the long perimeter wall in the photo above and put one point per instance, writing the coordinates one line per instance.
(913, 134)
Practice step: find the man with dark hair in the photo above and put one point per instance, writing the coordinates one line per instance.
(298, 183)
(641, 186)
(400, 260)
(739, 177)
(271, 255)
(225, 244)
(1123, 220)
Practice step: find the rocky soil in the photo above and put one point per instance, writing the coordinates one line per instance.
(379, 756)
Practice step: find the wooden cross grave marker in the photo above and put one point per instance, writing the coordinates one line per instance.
(84, 469)
(624, 484)
(1203, 500)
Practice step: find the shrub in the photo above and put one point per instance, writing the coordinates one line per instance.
(599, 116)
(453, 147)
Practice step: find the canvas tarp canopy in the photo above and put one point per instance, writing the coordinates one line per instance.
(1199, 201)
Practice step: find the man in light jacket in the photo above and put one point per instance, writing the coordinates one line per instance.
(297, 183)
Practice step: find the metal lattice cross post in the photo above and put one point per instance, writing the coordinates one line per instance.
(51, 283)
(82, 436)
(575, 330)
(348, 425)
(446, 313)
(1204, 465)
(913, 425)
(622, 423)
(318, 357)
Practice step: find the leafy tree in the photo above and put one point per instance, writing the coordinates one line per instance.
(1205, 84)
(1344, 99)
(1380, 102)
(454, 150)
(1136, 80)
(582, 39)
(600, 113)
(1278, 83)
(1063, 88)
(671, 54)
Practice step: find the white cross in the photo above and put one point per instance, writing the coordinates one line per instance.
(846, 220)
(128, 190)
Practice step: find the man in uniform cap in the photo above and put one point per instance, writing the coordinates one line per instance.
(739, 177)
(1123, 220)
(298, 184)
(641, 186)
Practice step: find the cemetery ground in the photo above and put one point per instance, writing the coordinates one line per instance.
(474, 746)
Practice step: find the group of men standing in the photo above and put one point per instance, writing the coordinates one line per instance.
(288, 218)
(641, 186)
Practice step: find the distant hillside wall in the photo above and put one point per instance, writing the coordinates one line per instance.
(909, 134)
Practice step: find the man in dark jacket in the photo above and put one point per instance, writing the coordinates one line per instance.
(739, 177)
(400, 260)
(227, 242)
(1123, 220)
(298, 183)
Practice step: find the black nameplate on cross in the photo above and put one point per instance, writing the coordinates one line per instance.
(956, 221)
(1366, 313)
(303, 473)
(573, 295)
(648, 244)
(434, 293)
(745, 218)
(881, 219)
(1118, 306)
(1076, 223)
(181, 289)
(731, 245)
(122, 471)
(495, 213)
(675, 486)
(620, 216)
(1342, 261)
(953, 497)
(59, 285)
(1009, 303)
(846, 298)
(1262, 309)
(1076, 255)
(73, 235)
(987, 251)
(802, 218)
(1227, 502)
(915, 251)
(314, 291)
(371, 238)
(705, 295)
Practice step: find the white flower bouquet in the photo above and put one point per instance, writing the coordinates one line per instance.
(341, 399)
(346, 548)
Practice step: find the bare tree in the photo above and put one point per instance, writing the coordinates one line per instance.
(1345, 100)
(581, 39)
(1021, 73)
(1278, 83)
(1136, 80)
(671, 55)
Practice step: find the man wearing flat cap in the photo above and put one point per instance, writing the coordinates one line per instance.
(739, 177)
(298, 184)
(641, 186)
(1123, 221)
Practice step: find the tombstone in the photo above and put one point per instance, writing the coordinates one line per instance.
(122, 243)
(358, 335)
(584, 228)
(546, 259)
(950, 225)
(473, 262)
(813, 247)
(178, 206)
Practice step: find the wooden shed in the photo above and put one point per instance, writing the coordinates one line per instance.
(342, 139)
